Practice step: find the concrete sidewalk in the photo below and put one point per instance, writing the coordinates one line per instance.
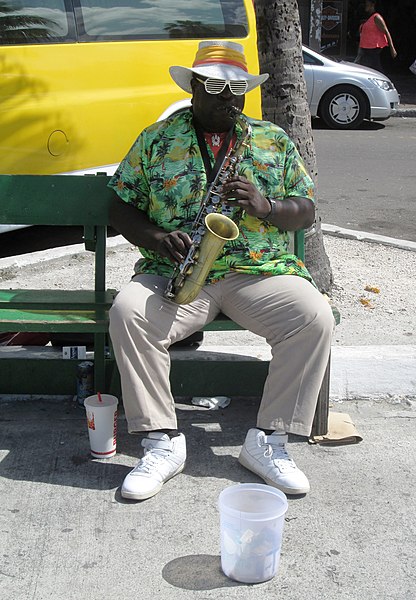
(67, 533)
(405, 84)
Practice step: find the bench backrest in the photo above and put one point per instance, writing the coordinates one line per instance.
(54, 200)
(67, 200)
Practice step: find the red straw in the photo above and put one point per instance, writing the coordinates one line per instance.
(99, 397)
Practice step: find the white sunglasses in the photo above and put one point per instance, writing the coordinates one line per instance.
(216, 86)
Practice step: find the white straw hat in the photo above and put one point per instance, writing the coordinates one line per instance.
(220, 60)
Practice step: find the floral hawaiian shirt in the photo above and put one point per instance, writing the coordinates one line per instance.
(163, 175)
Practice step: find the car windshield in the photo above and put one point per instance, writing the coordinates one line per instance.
(334, 58)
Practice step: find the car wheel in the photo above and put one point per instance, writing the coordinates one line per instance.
(343, 107)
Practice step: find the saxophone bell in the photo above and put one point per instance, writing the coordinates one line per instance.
(187, 285)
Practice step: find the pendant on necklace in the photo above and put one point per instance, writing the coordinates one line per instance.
(215, 139)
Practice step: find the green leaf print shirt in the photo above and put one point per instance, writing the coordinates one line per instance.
(163, 175)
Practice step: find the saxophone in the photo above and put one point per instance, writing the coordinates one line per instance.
(211, 230)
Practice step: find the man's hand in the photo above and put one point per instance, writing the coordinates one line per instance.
(239, 191)
(136, 227)
(174, 245)
(289, 214)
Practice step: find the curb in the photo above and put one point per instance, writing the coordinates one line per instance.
(405, 112)
(373, 373)
(364, 236)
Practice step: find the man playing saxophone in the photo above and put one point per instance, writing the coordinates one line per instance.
(255, 280)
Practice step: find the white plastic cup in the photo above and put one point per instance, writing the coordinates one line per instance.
(102, 424)
(252, 517)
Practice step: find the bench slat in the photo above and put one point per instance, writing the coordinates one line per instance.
(222, 323)
(27, 299)
(81, 321)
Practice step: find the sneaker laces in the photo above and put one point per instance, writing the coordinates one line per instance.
(278, 453)
(153, 456)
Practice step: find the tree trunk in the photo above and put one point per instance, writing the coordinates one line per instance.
(284, 100)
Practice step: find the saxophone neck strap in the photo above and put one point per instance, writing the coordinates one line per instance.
(211, 171)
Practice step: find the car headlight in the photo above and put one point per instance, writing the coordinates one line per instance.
(384, 84)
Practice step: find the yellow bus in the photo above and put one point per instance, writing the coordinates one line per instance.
(79, 79)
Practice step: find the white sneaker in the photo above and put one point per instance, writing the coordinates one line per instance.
(163, 458)
(266, 456)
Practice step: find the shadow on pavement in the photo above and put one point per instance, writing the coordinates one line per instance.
(197, 572)
(47, 441)
(365, 126)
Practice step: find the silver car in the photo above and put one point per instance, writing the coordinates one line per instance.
(343, 94)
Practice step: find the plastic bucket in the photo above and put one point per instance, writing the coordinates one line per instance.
(251, 523)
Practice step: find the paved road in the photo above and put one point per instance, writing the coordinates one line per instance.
(367, 177)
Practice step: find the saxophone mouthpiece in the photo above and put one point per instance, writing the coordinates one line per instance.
(233, 110)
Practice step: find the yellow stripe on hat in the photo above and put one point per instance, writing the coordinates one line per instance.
(219, 54)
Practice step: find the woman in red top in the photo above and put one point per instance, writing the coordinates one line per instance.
(374, 36)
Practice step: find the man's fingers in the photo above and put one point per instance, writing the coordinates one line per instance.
(234, 191)
(237, 187)
(177, 244)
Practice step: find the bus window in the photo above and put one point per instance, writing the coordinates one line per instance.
(101, 20)
(35, 22)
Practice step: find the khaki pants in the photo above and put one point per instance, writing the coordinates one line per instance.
(287, 310)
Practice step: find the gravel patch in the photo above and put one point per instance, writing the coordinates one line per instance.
(373, 288)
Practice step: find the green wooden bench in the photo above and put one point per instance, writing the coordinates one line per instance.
(84, 200)
(58, 200)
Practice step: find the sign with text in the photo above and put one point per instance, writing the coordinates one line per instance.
(331, 27)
